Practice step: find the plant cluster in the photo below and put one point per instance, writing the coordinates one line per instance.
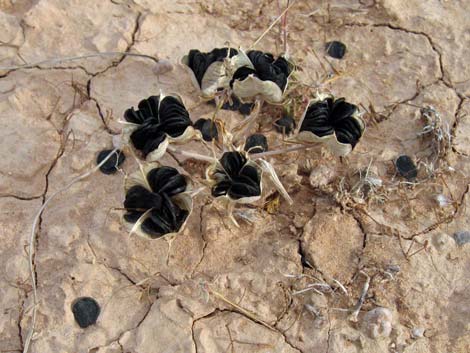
(158, 198)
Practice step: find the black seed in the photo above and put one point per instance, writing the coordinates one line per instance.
(256, 143)
(406, 167)
(208, 129)
(246, 108)
(110, 166)
(335, 49)
(285, 125)
(234, 106)
(86, 311)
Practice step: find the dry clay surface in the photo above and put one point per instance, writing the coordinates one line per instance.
(219, 288)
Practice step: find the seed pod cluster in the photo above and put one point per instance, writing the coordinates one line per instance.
(157, 202)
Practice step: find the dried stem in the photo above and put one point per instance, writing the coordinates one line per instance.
(191, 155)
(281, 151)
(32, 240)
(362, 298)
(248, 122)
(284, 29)
(240, 309)
(272, 25)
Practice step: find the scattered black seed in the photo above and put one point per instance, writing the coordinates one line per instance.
(208, 129)
(406, 167)
(256, 143)
(110, 166)
(246, 108)
(234, 105)
(285, 125)
(86, 311)
(335, 49)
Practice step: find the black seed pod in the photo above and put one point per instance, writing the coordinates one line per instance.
(332, 116)
(256, 143)
(264, 69)
(110, 166)
(157, 119)
(199, 62)
(163, 214)
(236, 178)
(208, 129)
(85, 311)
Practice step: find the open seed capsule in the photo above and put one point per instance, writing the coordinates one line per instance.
(157, 202)
(212, 71)
(264, 77)
(158, 121)
(334, 121)
(236, 177)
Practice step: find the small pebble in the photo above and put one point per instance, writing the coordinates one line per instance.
(285, 125)
(442, 242)
(86, 311)
(393, 268)
(417, 332)
(335, 49)
(377, 323)
(208, 129)
(110, 166)
(256, 143)
(406, 167)
(462, 237)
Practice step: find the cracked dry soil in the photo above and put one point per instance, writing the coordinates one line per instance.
(402, 55)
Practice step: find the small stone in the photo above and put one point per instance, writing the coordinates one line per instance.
(335, 49)
(443, 200)
(442, 241)
(110, 166)
(417, 332)
(377, 323)
(406, 167)
(321, 176)
(86, 311)
(256, 143)
(462, 237)
(208, 129)
(285, 125)
(392, 268)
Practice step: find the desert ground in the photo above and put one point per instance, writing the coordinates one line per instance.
(289, 278)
